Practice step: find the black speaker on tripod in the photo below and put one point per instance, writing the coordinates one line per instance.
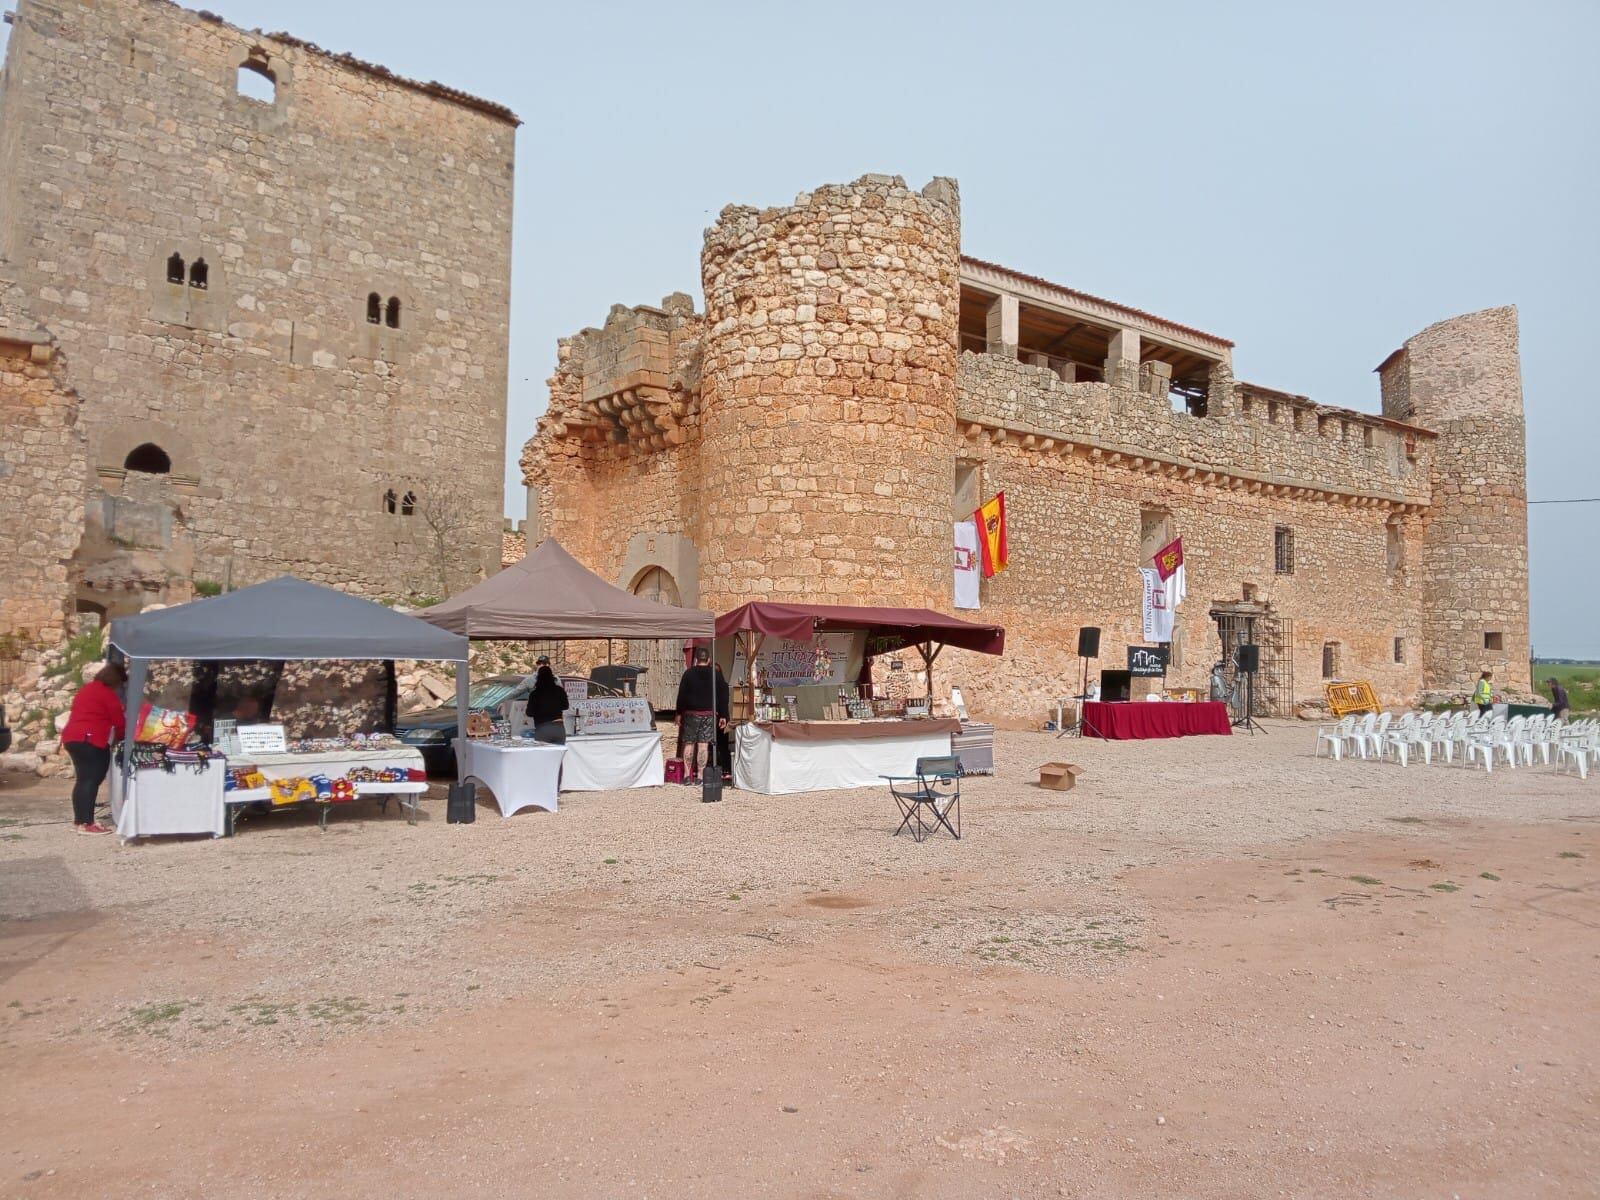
(1247, 658)
(1088, 647)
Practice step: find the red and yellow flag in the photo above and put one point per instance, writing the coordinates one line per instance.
(991, 520)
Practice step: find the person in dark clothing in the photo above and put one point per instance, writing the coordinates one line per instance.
(96, 720)
(546, 703)
(1560, 705)
(702, 708)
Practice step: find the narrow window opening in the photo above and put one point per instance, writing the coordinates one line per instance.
(390, 502)
(1494, 641)
(150, 459)
(374, 309)
(1330, 660)
(1411, 448)
(257, 82)
(391, 313)
(1366, 436)
(1283, 550)
(199, 273)
(1272, 412)
(408, 504)
(175, 272)
(1399, 649)
(1394, 548)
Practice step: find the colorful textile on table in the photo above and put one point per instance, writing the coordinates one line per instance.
(292, 791)
(168, 726)
(992, 543)
(244, 779)
(342, 792)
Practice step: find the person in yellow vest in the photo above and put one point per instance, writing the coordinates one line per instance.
(1483, 694)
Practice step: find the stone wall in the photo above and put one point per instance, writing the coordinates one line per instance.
(1463, 378)
(286, 414)
(41, 446)
(829, 397)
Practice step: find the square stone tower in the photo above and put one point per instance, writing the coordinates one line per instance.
(278, 280)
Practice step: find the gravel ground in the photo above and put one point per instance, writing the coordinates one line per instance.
(306, 933)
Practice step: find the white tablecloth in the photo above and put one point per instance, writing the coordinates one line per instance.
(184, 800)
(774, 768)
(605, 762)
(519, 776)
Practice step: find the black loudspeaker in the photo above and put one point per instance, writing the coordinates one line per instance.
(1248, 658)
(462, 806)
(1088, 642)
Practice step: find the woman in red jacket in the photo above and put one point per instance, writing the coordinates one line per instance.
(96, 720)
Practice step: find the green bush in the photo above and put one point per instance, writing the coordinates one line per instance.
(207, 587)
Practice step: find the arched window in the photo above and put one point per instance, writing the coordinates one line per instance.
(408, 504)
(390, 502)
(175, 268)
(257, 82)
(374, 309)
(149, 458)
(392, 313)
(198, 273)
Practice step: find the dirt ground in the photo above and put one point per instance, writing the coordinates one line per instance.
(1219, 968)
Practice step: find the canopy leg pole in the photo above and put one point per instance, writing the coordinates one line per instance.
(463, 693)
(131, 703)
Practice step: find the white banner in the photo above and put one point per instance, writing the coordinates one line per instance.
(605, 714)
(784, 663)
(969, 571)
(1157, 613)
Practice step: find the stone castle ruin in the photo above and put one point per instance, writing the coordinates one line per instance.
(253, 316)
(855, 385)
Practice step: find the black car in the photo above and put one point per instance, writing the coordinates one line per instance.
(432, 729)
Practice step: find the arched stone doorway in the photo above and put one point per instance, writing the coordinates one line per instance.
(664, 658)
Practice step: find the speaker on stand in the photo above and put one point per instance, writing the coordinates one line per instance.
(1088, 647)
(1247, 659)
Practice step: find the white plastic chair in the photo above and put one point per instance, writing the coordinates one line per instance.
(1335, 736)
(1361, 736)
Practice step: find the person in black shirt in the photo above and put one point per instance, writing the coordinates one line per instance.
(1560, 705)
(702, 708)
(546, 703)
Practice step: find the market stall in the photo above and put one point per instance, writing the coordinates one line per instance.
(1121, 721)
(519, 776)
(803, 724)
(549, 595)
(283, 620)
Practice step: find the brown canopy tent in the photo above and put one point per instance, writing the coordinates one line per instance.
(888, 629)
(550, 594)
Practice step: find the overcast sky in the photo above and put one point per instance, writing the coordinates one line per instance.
(1314, 186)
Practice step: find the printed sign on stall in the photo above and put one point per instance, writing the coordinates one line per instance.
(621, 714)
(784, 663)
(262, 739)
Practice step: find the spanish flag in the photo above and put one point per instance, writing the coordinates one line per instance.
(991, 520)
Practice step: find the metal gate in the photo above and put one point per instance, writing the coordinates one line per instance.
(1274, 685)
(664, 658)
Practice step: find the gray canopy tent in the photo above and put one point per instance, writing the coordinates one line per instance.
(550, 594)
(284, 619)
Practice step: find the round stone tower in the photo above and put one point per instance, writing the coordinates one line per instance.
(1462, 378)
(828, 397)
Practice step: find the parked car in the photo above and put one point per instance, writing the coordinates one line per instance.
(432, 729)
(5, 731)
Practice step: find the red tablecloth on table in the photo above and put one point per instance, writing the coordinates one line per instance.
(1161, 719)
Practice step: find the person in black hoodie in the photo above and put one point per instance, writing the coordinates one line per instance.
(546, 703)
(702, 707)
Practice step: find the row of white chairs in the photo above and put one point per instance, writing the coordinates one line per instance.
(1480, 738)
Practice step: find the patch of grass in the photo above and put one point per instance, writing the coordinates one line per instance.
(257, 1011)
(734, 896)
(1569, 854)
(207, 587)
(1489, 875)
(152, 1018)
(1365, 880)
(8, 822)
(81, 650)
(340, 1010)
(1582, 681)
(1445, 887)
(611, 862)
(1405, 820)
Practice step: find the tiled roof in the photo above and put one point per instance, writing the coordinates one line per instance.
(1075, 293)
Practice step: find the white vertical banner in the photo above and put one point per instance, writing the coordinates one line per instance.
(969, 572)
(1157, 614)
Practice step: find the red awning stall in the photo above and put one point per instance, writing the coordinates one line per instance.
(807, 722)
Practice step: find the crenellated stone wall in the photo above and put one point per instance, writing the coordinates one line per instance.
(805, 438)
(829, 395)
